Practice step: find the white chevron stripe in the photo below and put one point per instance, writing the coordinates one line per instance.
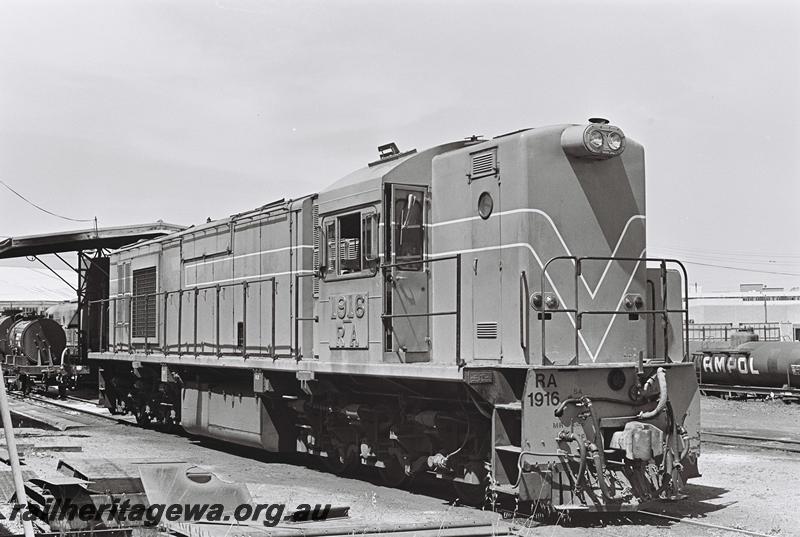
(592, 292)
(592, 355)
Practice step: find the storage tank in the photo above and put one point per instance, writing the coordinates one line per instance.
(35, 341)
(768, 364)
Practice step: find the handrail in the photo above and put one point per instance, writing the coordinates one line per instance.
(195, 291)
(297, 354)
(524, 315)
(664, 311)
(456, 312)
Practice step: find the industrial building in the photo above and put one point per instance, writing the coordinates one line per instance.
(773, 312)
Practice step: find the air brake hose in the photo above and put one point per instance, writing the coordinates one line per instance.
(598, 455)
(661, 376)
(570, 437)
(577, 401)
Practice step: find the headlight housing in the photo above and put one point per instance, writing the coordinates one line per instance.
(596, 140)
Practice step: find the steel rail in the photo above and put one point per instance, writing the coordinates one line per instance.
(66, 406)
(704, 524)
(756, 438)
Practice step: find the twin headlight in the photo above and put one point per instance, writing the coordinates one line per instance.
(596, 140)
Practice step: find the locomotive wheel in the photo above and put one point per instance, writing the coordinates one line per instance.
(393, 474)
(142, 417)
(339, 464)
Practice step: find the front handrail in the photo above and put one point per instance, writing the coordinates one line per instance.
(664, 311)
(457, 312)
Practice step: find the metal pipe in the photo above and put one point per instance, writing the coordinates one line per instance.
(664, 296)
(598, 455)
(274, 292)
(114, 331)
(297, 354)
(13, 456)
(102, 326)
(180, 321)
(164, 320)
(578, 324)
(523, 309)
(408, 315)
(130, 325)
(570, 437)
(219, 349)
(244, 319)
(458, 310)
(146, 323)
(196, 296)
(661, 376)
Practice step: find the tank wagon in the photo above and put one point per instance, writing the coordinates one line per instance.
(746, 364)
(481, 311)
(32, 351)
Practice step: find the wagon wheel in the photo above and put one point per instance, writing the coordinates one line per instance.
(26, 386)
(393, 474)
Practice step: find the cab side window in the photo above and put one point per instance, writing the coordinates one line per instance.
(350, 244)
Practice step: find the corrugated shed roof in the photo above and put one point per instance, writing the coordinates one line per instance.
(30, 284)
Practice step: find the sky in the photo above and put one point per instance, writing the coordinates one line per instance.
(135, 111)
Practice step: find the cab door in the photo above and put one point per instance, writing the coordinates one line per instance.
(406, 326)
(487, 305)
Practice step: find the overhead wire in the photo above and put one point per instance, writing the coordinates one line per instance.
(26, 200)
(749, 253)
(742, 269)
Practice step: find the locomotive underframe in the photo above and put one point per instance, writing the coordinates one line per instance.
(489, 432)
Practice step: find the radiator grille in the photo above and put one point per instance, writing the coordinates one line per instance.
(483, 164)
(144, 308)
(486, 330)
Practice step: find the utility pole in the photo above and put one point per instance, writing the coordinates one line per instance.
(13, 456)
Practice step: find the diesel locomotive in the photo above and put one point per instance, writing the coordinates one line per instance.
(482, 311)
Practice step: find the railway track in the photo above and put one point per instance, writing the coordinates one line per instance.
(78, 405)
(88, 407)
(85, 406)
